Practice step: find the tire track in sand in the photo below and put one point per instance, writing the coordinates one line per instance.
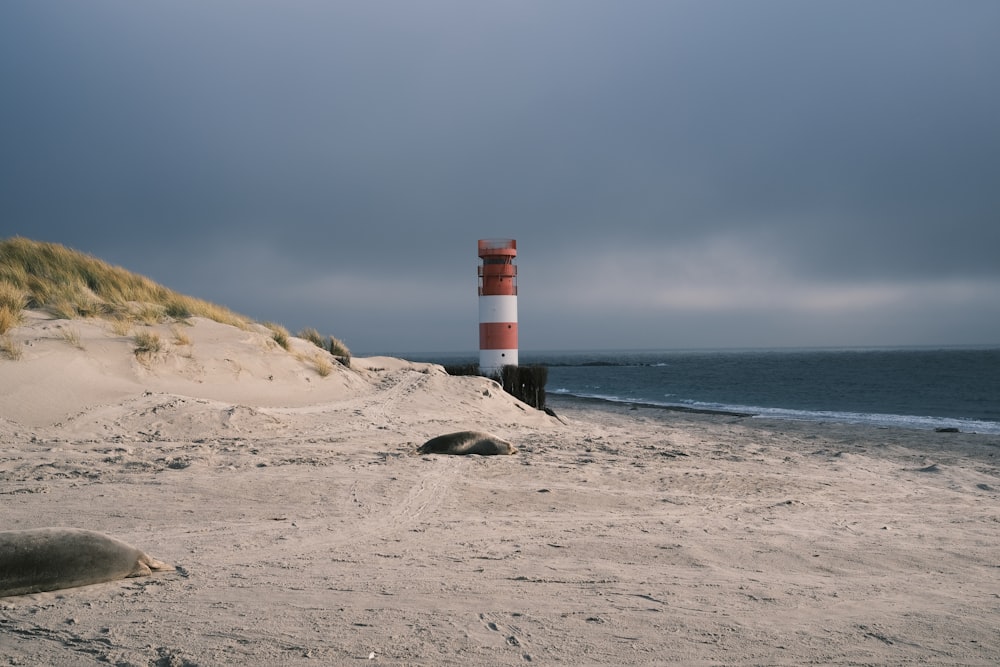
(396, 387)
(384, 515)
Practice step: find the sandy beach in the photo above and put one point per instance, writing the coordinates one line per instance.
(306, 530)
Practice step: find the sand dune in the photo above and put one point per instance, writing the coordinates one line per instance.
(306, 530)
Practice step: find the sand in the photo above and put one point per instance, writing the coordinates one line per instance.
(306, 531)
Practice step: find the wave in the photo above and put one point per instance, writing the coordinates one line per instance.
(871, 419)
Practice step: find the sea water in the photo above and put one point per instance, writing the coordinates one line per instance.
(910, 388)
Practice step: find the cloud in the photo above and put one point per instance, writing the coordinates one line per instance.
(727, 292)
(741, 166)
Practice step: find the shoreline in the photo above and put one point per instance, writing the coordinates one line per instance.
(984, 447)
(600, 403)
(873, 420)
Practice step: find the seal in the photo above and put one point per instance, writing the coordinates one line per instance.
(48, 559)
(467, 442)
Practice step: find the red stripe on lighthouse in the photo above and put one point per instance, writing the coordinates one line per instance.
(498, 335)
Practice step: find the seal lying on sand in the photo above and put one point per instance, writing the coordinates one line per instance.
(467, 442)
(47, 559)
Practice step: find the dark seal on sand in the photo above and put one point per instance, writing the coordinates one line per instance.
(48, 559)
(467, 442)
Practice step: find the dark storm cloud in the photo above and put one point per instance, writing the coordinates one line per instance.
(787, 166)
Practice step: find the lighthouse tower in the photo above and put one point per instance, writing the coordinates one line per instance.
(497, 305)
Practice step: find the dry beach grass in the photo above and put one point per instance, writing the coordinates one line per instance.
(306, 530)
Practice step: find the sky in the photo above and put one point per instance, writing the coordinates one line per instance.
(677, 173)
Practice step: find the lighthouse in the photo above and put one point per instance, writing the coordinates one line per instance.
(497, 305)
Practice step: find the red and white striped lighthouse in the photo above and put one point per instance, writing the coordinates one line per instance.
(497, 305)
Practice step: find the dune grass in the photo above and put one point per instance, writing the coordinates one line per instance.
(279, 334)
(122, 325)
(147, 343)
(180, 338)
(10, 348)
(69, 284)
(71, 336)
(323, 365)
(338, 348)
(13, 301)
(313, 337)
(320, 361)
(9, 318)
(334, 346)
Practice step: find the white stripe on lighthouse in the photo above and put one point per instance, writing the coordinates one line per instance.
(498, 309)
(491, 361)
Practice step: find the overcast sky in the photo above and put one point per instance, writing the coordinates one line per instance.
(677, 174)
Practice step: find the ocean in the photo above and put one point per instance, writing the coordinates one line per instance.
(908, 388)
